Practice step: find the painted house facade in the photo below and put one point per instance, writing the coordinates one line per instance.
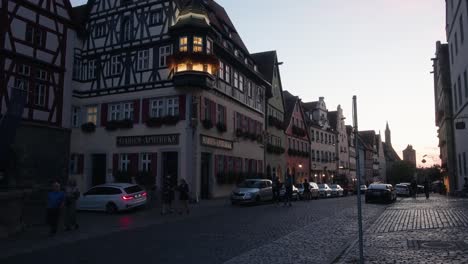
(275, 155)
(323, 156)
(36, 39)
(337, 121)
(298, 151)
(165, 89)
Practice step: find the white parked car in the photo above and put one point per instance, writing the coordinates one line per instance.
(336, 190)
(112, 197)
(324, 190)
(402, 190)
(252, 191)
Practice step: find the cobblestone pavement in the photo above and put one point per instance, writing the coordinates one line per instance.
(312, 232)
(417, 231)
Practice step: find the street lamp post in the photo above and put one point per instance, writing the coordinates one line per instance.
(355, 121)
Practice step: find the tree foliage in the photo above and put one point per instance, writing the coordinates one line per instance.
(401, 171)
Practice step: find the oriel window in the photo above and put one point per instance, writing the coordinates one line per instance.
(197, 44)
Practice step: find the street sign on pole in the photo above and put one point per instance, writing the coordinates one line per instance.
(358, 173)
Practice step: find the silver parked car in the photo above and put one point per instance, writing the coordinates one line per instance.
(112, 197)
(336, 190)
(403, 190)
(252, 191)
(324, 190)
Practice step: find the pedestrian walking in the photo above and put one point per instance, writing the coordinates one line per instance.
(183, 196)
(414, 188)
(288, 190)
(55, 202)
(167, 195)
(276, 189)
(426, 188)
(72, 193)
(306, 192)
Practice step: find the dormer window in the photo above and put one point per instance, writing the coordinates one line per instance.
(183, 44)
(197, 44)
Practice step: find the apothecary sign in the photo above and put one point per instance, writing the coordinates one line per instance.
(148, 140)
(216, 142)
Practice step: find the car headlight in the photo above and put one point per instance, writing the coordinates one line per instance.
(248, 195)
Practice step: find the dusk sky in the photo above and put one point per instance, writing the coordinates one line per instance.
(379, 50)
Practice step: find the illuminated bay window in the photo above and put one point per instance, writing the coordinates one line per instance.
(197, 44)
(183, 44)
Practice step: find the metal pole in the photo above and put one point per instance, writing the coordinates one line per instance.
(355, 121)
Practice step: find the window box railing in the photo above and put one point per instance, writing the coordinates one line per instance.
(275, 122)
(275, 149)
(89, 127)
(164, 120)
(300, 132)
(298, 153)
(119, 124)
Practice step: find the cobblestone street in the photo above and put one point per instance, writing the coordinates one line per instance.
(216, 232)
(417, 231)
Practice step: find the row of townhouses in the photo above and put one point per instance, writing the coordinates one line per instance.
(151, 89)
(450, 67)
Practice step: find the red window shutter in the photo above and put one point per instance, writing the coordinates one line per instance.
(115, 162)
(154, 164)
(182, 107)
(213, 112)
(145, 110)
(136, 111)
(133, 163)
(103, 114)
(80, 163)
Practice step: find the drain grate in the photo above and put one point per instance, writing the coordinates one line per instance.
(437, 244)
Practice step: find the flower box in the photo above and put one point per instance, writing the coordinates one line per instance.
(88, 127)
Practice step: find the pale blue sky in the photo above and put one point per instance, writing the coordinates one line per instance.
(379, 50)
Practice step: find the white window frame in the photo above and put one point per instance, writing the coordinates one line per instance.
(124, 162)
(77, 69)
(172, 106)
(40, 94)
(241, 82)
(41, 75)
(143, 60)
(221, 70)
(220, 114)
(91, 114)
(75, 119)
(227, 76)
(145, 162)
(209, 46)
(157, 108)
(127, 111)
(115, 112)
(92, 69)
(236, 80)
(249, 89)
(164, 52)
(115, 65)
(156, 17)
(127, 28)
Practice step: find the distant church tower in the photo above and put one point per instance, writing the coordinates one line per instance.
(388, 136)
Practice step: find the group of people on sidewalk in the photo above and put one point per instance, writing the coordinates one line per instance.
(58, 200)
(414, 188)
(168, 196)
(288, 187)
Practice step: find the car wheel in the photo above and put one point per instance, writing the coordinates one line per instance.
(257, 199)
(111, 208)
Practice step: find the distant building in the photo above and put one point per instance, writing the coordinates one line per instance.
(409, 154)
(352, 153)
(457, 37)
(337, 123)
(372, 147)
(444, 116)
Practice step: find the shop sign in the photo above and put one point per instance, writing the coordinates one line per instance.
(148, 140)
(216, 142)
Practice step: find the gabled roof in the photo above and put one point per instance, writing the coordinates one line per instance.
(310, 106)
(349, 130)
(266, 63)
(289, 103)
(367, 138)
(333, 119)
(80, 15)
(390, 153)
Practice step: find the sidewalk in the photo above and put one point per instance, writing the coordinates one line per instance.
(417, 231)
(94, 224)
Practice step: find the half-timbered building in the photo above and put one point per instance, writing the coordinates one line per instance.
(298, 151)
(165, 89)
(35, 40)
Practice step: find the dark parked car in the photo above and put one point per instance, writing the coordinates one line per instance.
(380, 192)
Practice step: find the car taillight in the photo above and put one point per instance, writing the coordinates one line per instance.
(127, 197)
(144, 194)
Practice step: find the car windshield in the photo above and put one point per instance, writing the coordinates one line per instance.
(402, 187)
(378, 186)
(321, 185)
(250, 184)
(133, 189)
(333, 186)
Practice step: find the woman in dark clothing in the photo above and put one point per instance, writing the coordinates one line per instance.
(183, 195)
(306, 192)
(167, 195)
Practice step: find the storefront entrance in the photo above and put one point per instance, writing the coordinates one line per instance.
(170, 166)
(205, 176)
(99, 169)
